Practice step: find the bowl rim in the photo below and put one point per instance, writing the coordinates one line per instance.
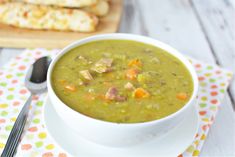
(132, 37)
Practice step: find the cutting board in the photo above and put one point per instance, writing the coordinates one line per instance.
(25, 38)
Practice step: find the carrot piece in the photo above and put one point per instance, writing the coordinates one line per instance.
(135, 62)
(132, 74)
(70, 88)
(141, 93)
(182, 96)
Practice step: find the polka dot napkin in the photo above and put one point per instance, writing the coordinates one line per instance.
(36, 142)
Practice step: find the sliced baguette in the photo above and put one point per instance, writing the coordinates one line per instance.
(97, 7)
(100, 9)
(63, 3)
(46, 17)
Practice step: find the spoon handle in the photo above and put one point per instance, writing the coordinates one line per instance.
(17, 130)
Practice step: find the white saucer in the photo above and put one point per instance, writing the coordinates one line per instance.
(172, 144)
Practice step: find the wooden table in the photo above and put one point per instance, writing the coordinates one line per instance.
(203, 29)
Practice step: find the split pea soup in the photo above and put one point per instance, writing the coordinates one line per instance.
(122, 81)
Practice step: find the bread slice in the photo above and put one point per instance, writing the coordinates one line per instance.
(46, 17)
(62, 3)
(97, 7)
(100, 9)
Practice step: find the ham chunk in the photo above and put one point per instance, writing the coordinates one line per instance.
(103, 65)
(129, 86)
(120, 98)
(86, 74)
(112, 94)
(105, 61)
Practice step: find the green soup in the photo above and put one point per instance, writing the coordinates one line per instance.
(122, 81)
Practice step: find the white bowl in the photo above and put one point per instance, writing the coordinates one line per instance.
(116, 134)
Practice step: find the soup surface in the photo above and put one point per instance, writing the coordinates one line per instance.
(122, 81)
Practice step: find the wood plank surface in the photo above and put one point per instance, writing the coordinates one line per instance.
(217, 19)
(26, 38)
(132, 20)
(168, 24)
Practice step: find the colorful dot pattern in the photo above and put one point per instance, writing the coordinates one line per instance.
(37, 143)
(213, 82)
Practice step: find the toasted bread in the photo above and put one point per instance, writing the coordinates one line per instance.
(46, 17)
